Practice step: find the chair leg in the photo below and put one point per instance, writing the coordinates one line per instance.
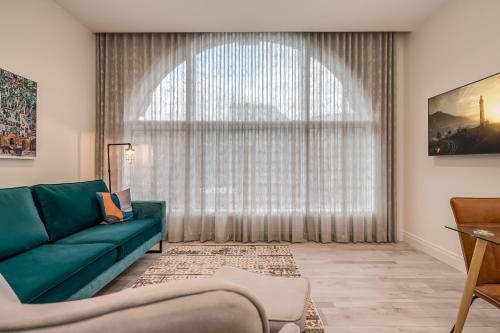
(474, 297)
(157, 251)
(470, 284)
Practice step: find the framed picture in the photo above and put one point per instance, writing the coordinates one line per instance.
(466, 120)
(17, 116)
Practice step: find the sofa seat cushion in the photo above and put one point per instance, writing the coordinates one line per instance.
(69, 208)
(127, 236)
(284, 298)
(54, 272)
(21, 228)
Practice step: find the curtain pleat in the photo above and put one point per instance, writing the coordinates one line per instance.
(253, 136)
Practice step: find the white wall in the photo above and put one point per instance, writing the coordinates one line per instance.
(459, 44)
(41, 41)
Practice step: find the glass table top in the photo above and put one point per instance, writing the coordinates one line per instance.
(489, 233)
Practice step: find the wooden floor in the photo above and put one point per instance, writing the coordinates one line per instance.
(375, 288)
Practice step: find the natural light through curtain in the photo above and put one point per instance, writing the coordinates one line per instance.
(259, 136)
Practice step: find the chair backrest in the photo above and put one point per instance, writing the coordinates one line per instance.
(479, 211)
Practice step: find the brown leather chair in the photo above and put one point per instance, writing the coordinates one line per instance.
(480, 211)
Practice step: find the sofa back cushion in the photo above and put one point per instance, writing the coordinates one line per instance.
(21, 228)
(69, 208)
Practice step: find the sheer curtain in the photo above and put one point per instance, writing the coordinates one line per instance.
(253, 136)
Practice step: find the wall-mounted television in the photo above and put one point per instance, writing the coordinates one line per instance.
(466, 120)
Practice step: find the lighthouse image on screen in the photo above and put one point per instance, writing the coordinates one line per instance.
(466, 120)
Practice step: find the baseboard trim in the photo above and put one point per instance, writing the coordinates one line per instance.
(436, 251)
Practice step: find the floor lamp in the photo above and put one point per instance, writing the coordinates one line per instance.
(129, 152)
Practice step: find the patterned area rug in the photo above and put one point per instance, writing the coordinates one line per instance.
(180, 262)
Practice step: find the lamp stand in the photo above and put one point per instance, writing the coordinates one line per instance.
(129, 149)
(129, 145)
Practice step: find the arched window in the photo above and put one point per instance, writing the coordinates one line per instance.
(260, 125)
(276, 86)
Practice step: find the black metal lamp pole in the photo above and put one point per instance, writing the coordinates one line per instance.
(129, 149)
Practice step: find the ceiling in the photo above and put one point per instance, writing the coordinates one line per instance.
(250, 15)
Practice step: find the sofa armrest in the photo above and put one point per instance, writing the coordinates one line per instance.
(189, 306)
(6, 292)
(152, 209)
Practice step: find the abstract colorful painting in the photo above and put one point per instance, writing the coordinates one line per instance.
(17, 116)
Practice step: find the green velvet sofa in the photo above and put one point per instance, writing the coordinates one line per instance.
(53, 247)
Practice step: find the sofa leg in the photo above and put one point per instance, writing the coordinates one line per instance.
(157, 251)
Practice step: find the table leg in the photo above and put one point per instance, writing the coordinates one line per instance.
(470, 283)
